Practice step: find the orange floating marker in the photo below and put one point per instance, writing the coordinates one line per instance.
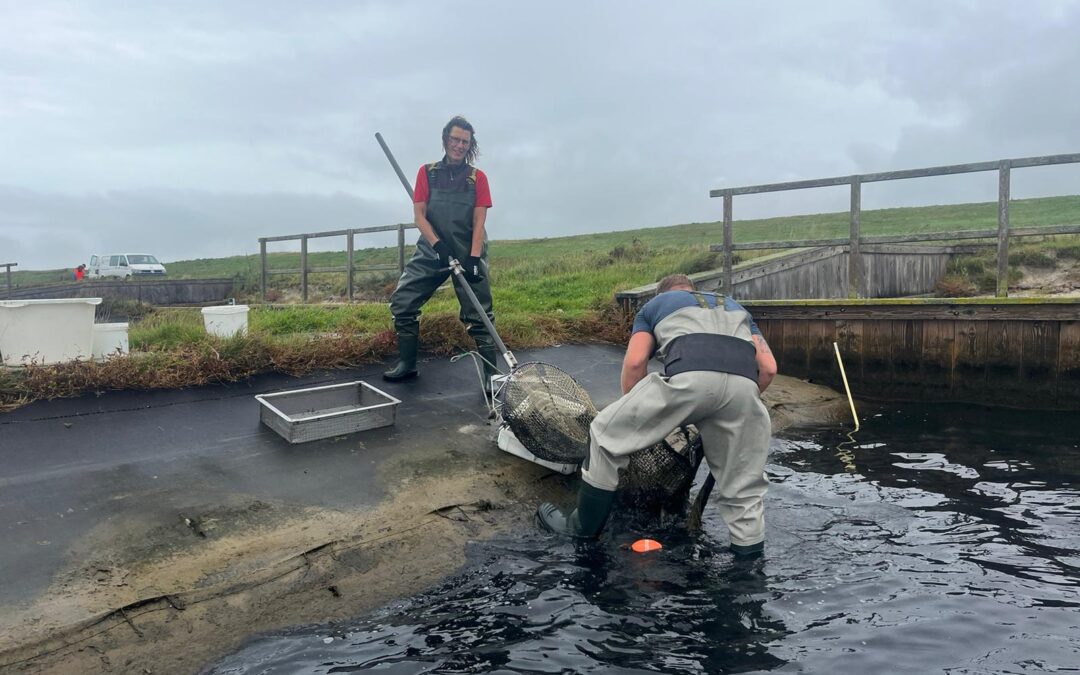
(645, 545)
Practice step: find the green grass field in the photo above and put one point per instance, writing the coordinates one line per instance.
(673, 242)
(545, 291)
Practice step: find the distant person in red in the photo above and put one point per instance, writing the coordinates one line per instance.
(80, 272)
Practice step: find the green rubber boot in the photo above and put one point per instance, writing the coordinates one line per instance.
(584, 522)
(406, 365)
(490, 357)
(749, 552)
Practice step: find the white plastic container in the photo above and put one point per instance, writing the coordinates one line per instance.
(226, 320)
(46, 331)
(109, 339)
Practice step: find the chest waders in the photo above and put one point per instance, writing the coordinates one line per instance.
(450, 212)
(708, 383)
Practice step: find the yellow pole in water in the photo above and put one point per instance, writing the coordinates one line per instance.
(847, 389)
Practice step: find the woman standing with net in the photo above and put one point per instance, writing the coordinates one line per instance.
(450, 203)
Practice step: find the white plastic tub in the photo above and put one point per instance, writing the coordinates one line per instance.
(46, 331)
(109, 339)
(226, 320)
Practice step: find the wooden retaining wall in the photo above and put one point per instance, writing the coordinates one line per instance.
(890, 271)
(155, 291)
(1017, 352)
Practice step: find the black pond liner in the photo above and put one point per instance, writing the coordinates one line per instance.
(943, 539)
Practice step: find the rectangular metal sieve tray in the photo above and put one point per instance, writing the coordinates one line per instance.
(303, 415)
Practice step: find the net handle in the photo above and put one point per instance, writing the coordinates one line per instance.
(697, 509)
(459, 275)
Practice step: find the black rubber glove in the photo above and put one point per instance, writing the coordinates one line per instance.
(443, 251)
(472, 269)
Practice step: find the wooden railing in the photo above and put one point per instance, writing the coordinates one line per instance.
(854, 239)
(350, 268)
(7, 267)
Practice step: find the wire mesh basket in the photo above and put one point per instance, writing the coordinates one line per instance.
(303, 415)
(663, 473)
(548, 412)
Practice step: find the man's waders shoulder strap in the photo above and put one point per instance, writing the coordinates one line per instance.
(708, 351)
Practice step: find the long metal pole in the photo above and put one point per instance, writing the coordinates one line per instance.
(393, 163)
(697, 508)
(408, 188)
(455, 268)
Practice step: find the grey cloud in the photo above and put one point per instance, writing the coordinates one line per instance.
(60, 231)
(211, 117)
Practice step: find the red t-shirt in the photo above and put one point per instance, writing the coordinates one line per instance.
(483, 191)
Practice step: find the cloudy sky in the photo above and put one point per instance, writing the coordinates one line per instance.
(189, 129)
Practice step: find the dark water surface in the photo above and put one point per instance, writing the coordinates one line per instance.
(944, 539)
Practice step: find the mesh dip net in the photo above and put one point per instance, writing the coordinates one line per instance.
(548, 411)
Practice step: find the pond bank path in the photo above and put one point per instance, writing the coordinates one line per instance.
(152, 532)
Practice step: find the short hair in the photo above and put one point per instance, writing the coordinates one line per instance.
(674, 281)
(462, 123)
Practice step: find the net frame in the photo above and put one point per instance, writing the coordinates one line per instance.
(547, 410)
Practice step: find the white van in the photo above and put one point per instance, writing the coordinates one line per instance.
(124, 266)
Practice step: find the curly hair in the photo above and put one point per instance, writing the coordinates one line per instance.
(462, 123)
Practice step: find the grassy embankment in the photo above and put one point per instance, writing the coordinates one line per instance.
(545, 291)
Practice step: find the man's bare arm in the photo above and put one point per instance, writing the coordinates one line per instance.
(636, 362)
(766, 363)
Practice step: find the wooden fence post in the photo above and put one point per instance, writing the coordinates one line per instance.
(729, 288)
(856, 279)
(401, 248)
(262, 260)
(1004, 169)
(8, 267)
(349, 264)
(303, 267)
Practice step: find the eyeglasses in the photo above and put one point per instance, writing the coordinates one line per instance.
(458, 141)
